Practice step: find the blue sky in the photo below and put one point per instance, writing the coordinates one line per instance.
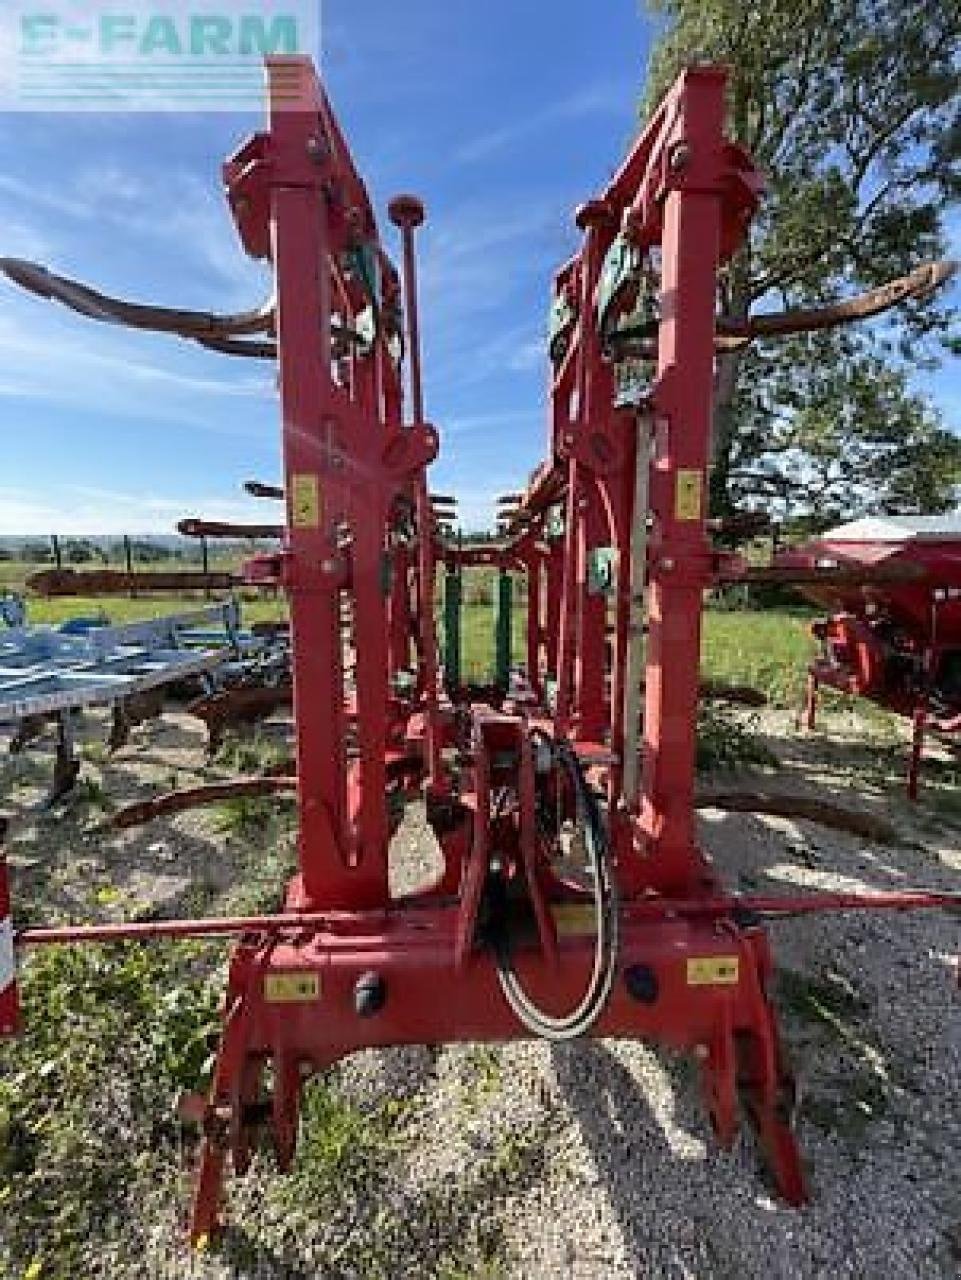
(502, 116)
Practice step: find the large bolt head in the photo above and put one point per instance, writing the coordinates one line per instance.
(406, 211)
(593, 213)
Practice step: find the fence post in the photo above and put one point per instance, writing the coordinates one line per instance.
(502, 633)
(128, 559)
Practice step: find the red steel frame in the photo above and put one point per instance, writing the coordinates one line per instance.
(346, 966)
(293, 1000)
(890, 628)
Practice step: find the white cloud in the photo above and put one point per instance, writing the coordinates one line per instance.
(196, 223)
(85, 510)
(482, 423)
(594, 100)
(60, 362)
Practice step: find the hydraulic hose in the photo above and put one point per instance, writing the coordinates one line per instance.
(582, 1017)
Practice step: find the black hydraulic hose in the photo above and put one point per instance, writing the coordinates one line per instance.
(582, 1017)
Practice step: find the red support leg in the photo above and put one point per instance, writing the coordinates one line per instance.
(680, 557)
(765, 1083)
(719, 1079)
(225, 1091)
(285, 1108)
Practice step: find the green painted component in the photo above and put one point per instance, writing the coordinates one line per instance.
(627, 295)
(600, 570)
(404, 682)
(453, 596)
(554, 522)
(386, 574)
(502, 630)
(617, 273)
(550, 692)
(363, 264)
(561, 323)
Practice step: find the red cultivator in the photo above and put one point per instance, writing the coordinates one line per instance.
(894, 634)
(574, 898)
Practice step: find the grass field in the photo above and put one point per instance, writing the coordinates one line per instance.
(767, 649)
(257, 606)
(122, 609)
(92, 1162)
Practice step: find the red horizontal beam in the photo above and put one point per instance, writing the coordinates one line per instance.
(644, 908)
(115, 582)
(194, 528)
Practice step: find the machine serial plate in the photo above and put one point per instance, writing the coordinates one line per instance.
(291, 988)
(687, 495)
(304, 500)
(574, 919)
(712, 971)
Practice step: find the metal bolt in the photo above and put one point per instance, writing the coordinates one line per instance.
(317, 149)
(679, 156)
(593, 213)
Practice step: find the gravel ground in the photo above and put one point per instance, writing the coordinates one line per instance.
(594, 1159)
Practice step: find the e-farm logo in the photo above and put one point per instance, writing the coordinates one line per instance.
(128, 55)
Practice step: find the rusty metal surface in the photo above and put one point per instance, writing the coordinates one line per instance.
(193, 527)
(237, 705)
(171, 802)
(115, 582)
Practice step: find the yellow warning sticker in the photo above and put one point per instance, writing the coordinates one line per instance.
(304, 500)
(687, 494)
(574, 918)
(712, 971)
(291, 988)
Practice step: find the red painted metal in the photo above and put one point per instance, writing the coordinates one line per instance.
(657, 910)
(9, 999)
(894, 632)
(685, 191)
(345, 965)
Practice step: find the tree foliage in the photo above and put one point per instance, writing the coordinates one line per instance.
(851, 109)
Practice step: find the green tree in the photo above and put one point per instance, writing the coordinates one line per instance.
(78, 551)
(35, 552)
(851, 110)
